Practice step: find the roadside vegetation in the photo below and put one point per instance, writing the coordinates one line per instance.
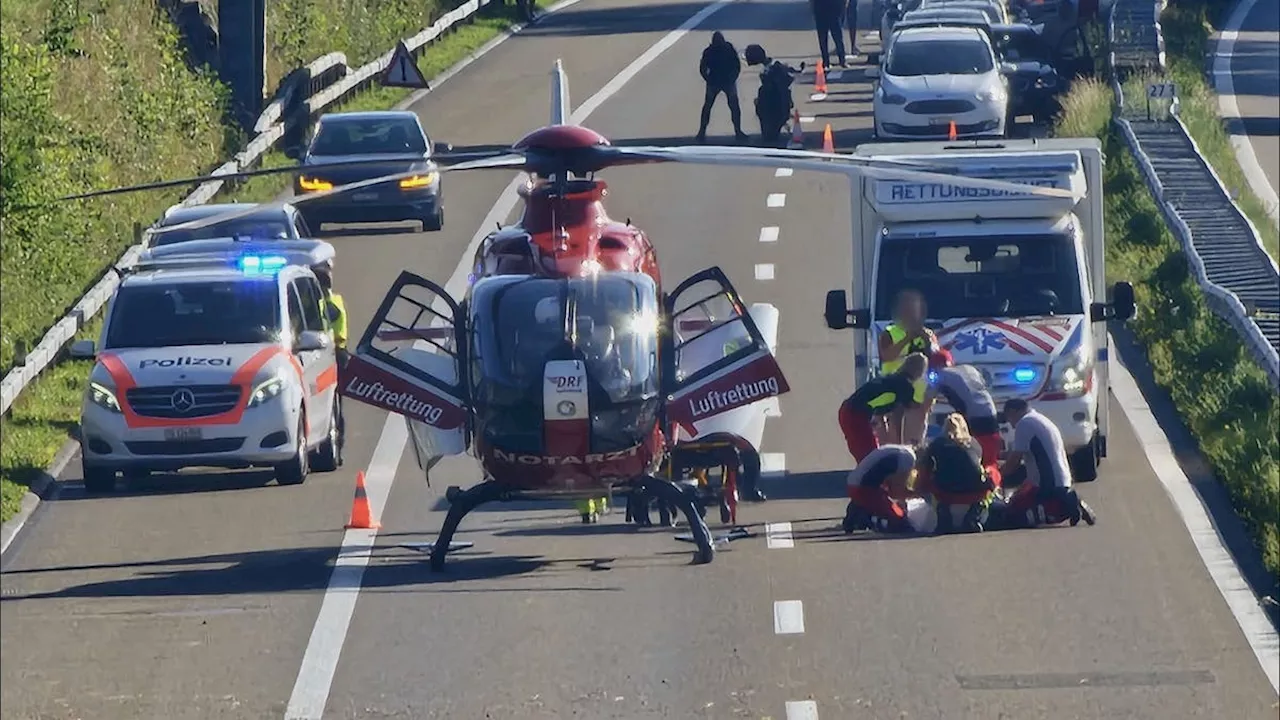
(1188, 25)
(1222, 396)
(100, 94)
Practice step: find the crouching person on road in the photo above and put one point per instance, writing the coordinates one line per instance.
(878, 487)
(1045, 497)
(951, 470)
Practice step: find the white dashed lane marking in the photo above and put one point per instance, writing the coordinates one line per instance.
(802, 710)
(769, 235)
(807, 118)
(777, 536)
(788, 617)
(764, 271)
(783, 172)
(776, 200)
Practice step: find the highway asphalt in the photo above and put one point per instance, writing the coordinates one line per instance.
(197, 597)
(1255, 78)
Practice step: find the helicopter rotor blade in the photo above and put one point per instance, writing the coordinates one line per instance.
(508, 161)
(924, 172)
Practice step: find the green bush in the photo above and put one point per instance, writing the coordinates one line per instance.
(1222, 396)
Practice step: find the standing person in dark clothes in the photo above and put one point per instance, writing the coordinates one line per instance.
(720, 68)
(851, 20)
(828, 19)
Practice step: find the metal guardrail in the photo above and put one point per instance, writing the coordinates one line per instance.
(1240, 280)
(326, 81)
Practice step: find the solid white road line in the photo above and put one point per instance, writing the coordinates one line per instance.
(769, 234)
(802, 710)
(784, 172)
(1225, 85)
(773, 463)
(777, 536)
(788, 617)
(1222, 567)
(764, 271)
(320, 661)
(311, 690)
(776, 200)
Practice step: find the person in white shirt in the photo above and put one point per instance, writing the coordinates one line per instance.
(1046, 496)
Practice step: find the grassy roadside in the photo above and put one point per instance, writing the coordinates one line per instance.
(1221, 395)
(1187, 30)
(45, 415)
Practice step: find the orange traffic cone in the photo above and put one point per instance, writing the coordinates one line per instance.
(797, 133)
(828, 142)
(819, 84)
(951, 131)
(361, 513)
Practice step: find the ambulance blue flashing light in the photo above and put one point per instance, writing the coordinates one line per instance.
(1024, 375)
(262, 264)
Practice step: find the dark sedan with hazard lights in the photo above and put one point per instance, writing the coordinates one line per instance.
(382, 143)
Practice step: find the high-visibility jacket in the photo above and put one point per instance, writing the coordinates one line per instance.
(338, 324)
(924, 345)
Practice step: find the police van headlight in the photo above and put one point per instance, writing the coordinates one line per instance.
(265, 391)
(1071, 375)
(104, 397)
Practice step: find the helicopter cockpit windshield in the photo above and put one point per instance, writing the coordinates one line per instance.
(609, 322)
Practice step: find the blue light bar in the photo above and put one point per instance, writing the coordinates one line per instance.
(262, 263)
(1024, 375)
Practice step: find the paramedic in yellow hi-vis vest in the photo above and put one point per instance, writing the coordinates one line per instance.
(334, 309)
(905, 335)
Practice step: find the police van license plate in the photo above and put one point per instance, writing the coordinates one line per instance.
(183, 434)
(939, 122)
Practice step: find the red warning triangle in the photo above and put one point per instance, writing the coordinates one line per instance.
(402, 71)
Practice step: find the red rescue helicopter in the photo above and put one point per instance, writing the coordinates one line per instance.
(567, 369)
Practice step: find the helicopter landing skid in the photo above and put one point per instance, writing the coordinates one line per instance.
(461, 502)
(738, 533)
(430, 546)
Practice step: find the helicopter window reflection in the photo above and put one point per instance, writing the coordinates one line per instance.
(707, 329)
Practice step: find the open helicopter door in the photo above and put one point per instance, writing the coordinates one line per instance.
(718, 359)
(411, 361)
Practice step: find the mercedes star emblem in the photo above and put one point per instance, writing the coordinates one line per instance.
(183, 400)
(566, 408)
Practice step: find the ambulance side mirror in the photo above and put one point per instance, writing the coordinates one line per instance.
(837, 310)
(1123, 303)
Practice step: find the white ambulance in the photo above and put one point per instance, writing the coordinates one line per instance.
(1015, 283)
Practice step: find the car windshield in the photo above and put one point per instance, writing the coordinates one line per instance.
(246, 227)
(368, 137)
(1011, 276)
(939, 57)
(197, 313)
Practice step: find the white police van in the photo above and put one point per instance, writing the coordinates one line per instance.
(219, 358)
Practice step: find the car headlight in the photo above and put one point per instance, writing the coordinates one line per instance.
(1071, 376)
(104, 397)
(891, 98)
(419, 181)
(314, 184)
(991, 95)
(266, 390)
